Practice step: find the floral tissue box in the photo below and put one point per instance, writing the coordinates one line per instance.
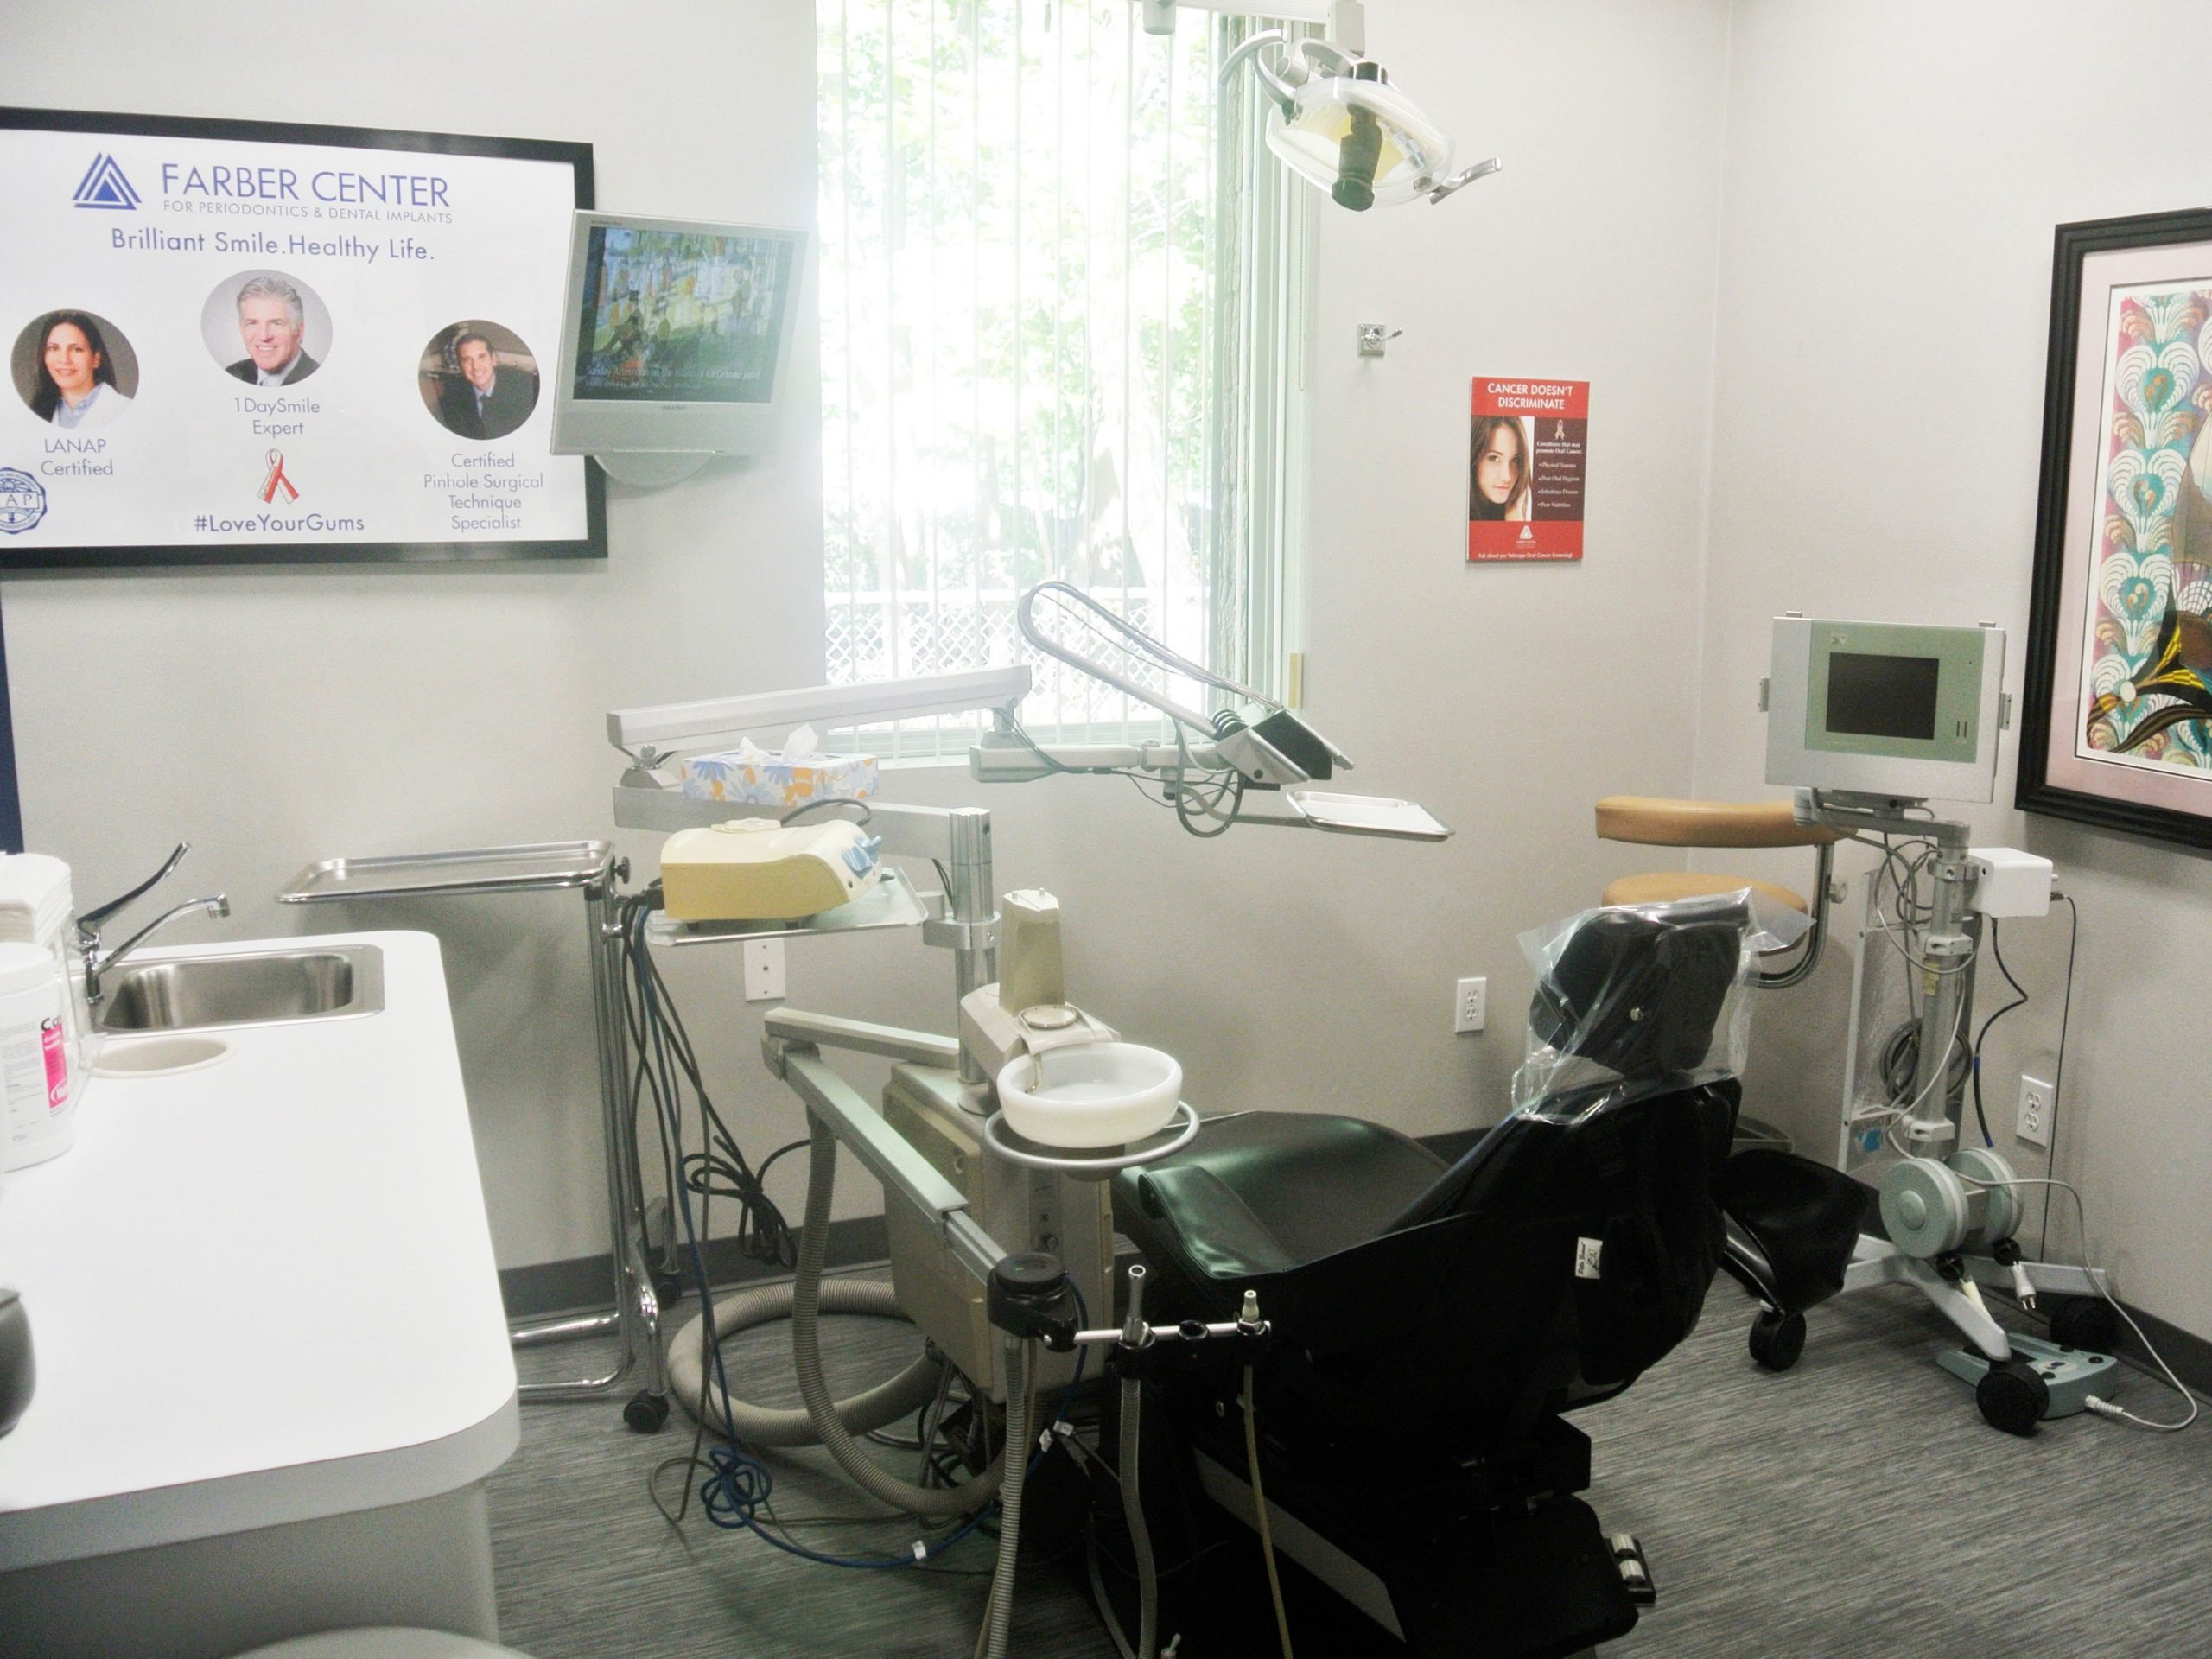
(750, 776)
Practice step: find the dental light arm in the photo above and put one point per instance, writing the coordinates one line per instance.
(1274, 750)
(1204, 771)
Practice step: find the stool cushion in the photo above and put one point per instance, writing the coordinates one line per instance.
(383, 1642)
(1658, 821)
(1664, 887)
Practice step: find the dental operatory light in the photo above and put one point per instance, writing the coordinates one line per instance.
(1333, 117)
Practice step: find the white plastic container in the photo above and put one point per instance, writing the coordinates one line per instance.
(1090, 1095)
(36, 1089)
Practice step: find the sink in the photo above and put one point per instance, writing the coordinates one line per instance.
(159, 1057)
(257, 988)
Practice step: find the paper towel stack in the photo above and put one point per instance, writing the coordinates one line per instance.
(35, 901)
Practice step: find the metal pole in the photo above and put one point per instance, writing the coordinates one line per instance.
(636, 1313)
(1946, 975)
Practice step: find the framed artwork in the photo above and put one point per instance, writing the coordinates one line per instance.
(2116, 728)
(243, 342)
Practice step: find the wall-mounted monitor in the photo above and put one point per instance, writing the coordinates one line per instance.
(1885, 708)
(676, 336)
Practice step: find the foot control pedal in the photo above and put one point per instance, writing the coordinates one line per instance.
(1635, 1571)
(2070, 1375)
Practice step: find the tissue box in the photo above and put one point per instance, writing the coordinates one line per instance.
(753, 777)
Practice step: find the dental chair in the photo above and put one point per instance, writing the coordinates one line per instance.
(1792, 1222)
(1433, 1324)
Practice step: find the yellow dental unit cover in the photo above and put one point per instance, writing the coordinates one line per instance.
(757, 870)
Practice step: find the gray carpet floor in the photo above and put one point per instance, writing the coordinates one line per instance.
(1856, 1505)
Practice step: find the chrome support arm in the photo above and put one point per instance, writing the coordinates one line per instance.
(1816, 936)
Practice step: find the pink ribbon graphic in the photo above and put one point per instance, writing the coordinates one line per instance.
(276, 481)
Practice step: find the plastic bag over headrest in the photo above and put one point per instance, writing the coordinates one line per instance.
(1648, 996)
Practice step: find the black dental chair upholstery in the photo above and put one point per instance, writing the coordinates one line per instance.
(1433, 1323)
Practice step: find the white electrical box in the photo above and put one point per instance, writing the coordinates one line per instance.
(2009, 882)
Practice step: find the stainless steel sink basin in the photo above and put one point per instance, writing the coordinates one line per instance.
(259, 989)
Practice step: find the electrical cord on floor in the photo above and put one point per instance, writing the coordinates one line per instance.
(736, 1494)
(2105, 1407)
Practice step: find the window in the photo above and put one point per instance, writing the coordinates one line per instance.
(1063, 298)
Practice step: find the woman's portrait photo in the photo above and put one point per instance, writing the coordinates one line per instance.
(74, 370)
(1499, 488)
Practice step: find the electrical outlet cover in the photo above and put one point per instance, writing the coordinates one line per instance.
(2036, 1098)
(1470, 1005)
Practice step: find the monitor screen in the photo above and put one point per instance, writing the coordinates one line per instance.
(1902, 711)
(681, 316)
(1872, 695)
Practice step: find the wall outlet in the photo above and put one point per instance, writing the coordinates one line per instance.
(2036, 1098)
(764, 970)
(1470, 1005)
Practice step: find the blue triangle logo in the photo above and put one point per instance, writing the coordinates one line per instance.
(103, 186)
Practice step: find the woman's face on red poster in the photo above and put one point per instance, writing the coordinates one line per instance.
(1497, 468)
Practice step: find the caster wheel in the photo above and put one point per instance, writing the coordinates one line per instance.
(668, 1290)
(2085, 1322)
(1777, 1338)
(645, 1413)
(2012, 1397)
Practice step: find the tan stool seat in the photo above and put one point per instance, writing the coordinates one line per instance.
(1664, 887)
(1654, 821)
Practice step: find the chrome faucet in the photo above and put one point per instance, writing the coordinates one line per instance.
(98, 959)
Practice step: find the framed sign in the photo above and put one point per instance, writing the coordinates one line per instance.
(1528, 471)
(2117, 725)
(241, 342)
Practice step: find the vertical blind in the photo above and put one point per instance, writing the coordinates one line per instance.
(1062, 294)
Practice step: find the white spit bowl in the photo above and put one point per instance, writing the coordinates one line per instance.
(1090, 1094)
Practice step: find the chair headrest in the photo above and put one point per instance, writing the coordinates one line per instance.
(1640, 991)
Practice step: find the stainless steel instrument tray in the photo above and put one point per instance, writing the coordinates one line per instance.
(540, 865)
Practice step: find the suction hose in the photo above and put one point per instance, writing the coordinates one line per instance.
(823, 1412)
(1019, 1431)
(1132, 1514)
(696, 1390)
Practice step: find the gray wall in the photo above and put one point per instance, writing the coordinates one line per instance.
(278, 717)
(1894, 171)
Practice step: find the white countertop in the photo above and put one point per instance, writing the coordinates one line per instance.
(259, 1291)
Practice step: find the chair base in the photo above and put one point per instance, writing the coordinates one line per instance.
(1441, 1562)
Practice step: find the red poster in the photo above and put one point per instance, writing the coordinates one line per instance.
(1525, 477)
